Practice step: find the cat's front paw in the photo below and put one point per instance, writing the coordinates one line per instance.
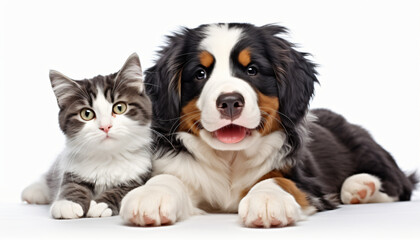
(149, 206)
(65, 209)
(275, 208)
(99, 210)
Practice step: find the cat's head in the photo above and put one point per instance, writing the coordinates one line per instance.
(105, 112)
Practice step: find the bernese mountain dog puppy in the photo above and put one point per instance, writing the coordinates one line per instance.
(234, 134)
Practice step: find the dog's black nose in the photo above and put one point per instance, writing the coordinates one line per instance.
(230, 105)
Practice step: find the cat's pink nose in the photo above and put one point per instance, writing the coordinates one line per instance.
(106, 128)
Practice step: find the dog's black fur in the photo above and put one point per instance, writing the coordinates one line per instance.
(336, 149)
(339, 149)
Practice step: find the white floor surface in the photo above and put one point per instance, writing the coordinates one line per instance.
(399, 220)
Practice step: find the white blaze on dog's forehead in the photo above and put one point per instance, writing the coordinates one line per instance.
(219, 42)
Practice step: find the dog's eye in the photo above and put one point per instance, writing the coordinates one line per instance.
(200, 74)
(252, 71)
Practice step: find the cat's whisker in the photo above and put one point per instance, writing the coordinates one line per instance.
(191, 116)
(165, 138)
(151, 84)
(177, 118)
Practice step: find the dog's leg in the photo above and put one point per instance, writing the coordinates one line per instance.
(274, 202)
(162, 200)
(368, 156)
(364, 188)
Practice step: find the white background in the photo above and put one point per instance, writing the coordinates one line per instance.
(368, 51)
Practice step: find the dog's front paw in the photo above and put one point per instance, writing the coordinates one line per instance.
(149, 206)
(65, 209)
(269, 208)
(99, 210)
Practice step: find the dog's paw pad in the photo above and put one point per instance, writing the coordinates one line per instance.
(164, 220)
(362, 193)
(258, 222)
(372, 187)
(354, 201)
(148, 220)
(276, 222)
(359, 188)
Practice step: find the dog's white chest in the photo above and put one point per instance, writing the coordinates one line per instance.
(215, 180)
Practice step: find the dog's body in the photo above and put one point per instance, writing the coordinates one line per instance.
(235, 135)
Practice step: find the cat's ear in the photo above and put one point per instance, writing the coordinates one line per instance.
(62, 86)
(131, 74)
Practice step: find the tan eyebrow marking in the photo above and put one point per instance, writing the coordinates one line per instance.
(244, 57)
(206, 59)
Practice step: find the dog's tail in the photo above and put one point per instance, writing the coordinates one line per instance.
(414, 179)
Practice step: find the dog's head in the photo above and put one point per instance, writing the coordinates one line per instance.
(230, 84)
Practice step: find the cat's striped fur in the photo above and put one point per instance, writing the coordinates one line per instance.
(97, 167)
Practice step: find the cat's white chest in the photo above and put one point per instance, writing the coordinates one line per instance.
(106, 170)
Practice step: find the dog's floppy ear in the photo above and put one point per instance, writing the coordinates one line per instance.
(162, 83)
(296, 77)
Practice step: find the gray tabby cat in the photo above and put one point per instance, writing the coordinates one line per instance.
(106, 121)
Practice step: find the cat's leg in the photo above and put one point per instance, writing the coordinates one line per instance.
(162, 200)
(44, 190)
(37, 193)
(108, 203)
(364, 188)
(73, 199)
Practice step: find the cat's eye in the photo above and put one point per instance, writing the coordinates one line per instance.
(252, 70)
(200, 74)
(119, 108)
(87, 114)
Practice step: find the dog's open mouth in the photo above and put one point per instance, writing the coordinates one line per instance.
(231, 133)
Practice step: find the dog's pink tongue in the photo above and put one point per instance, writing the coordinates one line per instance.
(231, 134)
